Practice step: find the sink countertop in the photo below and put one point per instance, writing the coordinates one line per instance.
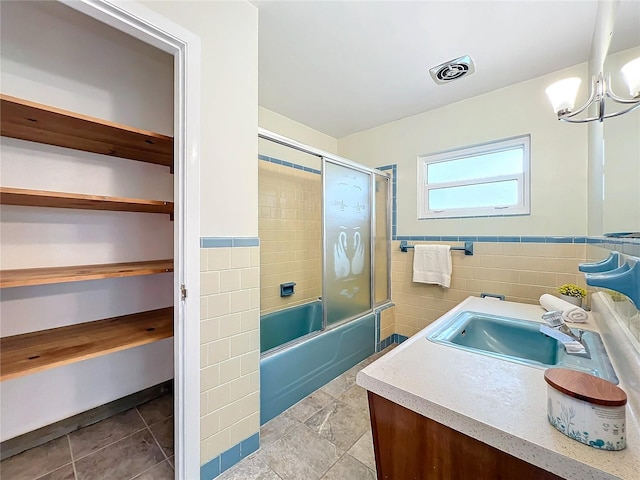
(500, 403)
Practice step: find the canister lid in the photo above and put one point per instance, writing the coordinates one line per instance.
(585, 387)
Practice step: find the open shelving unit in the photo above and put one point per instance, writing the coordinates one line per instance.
(34, 352)
(41, 350)
(39, 123)
(78, 273)
(42, 198)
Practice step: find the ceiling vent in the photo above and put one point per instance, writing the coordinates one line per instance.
(452, 70)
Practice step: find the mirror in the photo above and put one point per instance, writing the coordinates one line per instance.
(621, 196)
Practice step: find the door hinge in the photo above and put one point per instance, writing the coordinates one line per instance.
(183, 292)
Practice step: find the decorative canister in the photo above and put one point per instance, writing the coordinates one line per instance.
(586, 408)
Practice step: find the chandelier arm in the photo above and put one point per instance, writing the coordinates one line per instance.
(602, 94)
(578, 120)
(615, 114)
(618, 99)
(591, 119)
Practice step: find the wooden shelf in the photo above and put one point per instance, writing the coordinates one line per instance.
(41, 198)
(44, 276)
(43, 124)
(34, 352)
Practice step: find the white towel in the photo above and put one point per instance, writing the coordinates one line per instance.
(570, 312)
(432, 264)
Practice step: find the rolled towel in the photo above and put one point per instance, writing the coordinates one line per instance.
(570, 313)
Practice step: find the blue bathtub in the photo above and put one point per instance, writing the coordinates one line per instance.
(289, 374)
(279, 328)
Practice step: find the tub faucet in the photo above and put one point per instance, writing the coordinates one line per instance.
(556, 328)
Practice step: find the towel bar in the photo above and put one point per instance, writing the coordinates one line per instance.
(467, 249)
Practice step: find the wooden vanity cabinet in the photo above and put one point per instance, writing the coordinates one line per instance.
(409, 446)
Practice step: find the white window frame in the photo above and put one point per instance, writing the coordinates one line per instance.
(524, 180)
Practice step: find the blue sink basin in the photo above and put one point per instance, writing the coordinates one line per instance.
(520, 341)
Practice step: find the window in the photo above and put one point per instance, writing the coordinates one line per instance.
(479, 181)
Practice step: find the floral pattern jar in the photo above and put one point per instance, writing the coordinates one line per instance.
(586, 408)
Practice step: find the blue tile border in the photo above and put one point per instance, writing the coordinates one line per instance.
(220, 242)
(216, 242)
(230, 458)
(628, 246)
(227, 459)
(532, 239)
(285, 163)
(391, 339)
(210, 469)
(246, 242)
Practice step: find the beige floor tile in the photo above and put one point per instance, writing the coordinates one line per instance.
(253, 468)
(310, 405)
(163, 433)
(64, 473)
(158, 409)
(37, 461)
(276, 428)
(362, 450)
(340, 424)
(348, 468)
(339, 385)
(122, 460)
(301, 454)
(356, 397)
(161, 471)
(94, 437)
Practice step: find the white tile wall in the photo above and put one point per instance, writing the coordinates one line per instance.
(230, 347)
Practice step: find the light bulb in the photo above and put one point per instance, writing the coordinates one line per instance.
(562, 94)
(631, 72)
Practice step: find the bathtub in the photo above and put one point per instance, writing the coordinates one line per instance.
(290, 370)
(284, 326)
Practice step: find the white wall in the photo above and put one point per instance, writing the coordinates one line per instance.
(621, 206)
(295, 130)
(299, 132)
(229, 118)
(558, 157)
(54, 55)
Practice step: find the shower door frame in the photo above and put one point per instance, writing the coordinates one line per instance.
(389, 213)
(372, 172)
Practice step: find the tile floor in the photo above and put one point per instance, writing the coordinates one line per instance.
(326, 435)
(136, 444)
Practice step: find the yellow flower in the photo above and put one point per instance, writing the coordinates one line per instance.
(572, 290)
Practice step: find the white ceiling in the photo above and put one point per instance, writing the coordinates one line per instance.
(345, 66)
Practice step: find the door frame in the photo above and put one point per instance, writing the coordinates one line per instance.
(150, 27)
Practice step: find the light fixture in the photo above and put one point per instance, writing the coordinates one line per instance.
(562, 95)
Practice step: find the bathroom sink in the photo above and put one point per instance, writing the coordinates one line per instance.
(520, 341)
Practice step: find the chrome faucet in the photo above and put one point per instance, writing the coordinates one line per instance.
(556, 328)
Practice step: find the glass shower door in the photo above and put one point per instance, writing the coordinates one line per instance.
(347, 242)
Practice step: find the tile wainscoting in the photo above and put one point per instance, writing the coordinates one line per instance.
(520, 267)
(229, 352)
